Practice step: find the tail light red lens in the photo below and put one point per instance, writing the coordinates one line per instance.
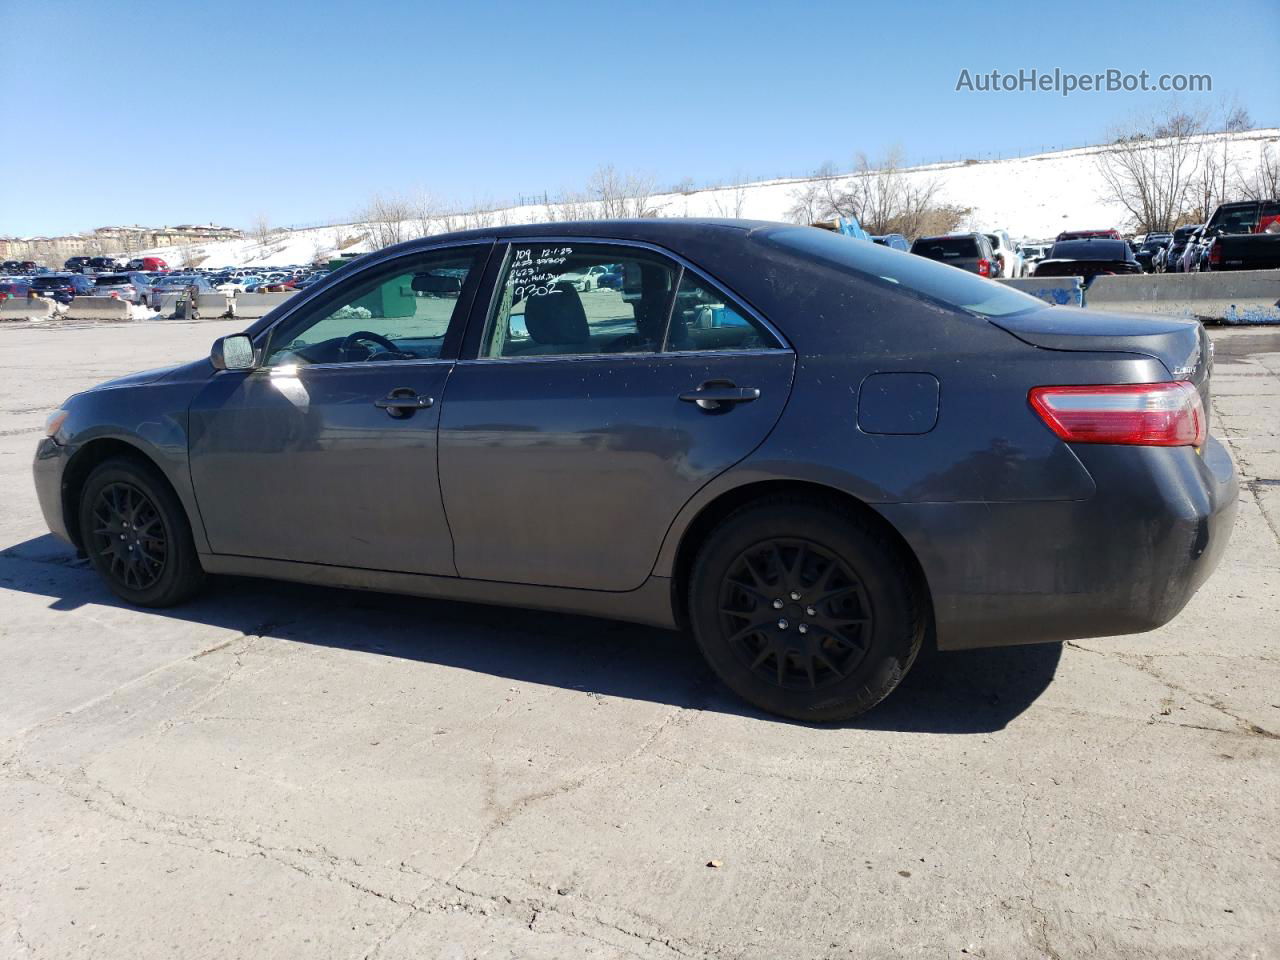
(1215, 254)
(1144, 414)
(984, 267)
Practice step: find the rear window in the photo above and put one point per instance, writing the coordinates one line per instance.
(111, 280)
(1090, 250)
(913, 274)
(48, 283)
(945, 248)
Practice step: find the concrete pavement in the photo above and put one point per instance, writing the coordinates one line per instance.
(285, 771)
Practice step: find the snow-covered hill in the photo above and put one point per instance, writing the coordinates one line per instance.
(1032, 197)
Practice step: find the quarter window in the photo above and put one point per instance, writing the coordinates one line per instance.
(398, 312)
(573, 299)
(705, 319)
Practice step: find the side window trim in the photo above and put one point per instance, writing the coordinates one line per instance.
(483, 307)
(331, 294)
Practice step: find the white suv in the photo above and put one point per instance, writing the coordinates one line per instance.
(1007, 255)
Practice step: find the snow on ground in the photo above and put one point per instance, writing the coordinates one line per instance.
(1032, 197)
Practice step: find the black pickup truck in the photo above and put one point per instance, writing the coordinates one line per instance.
(1242, 236)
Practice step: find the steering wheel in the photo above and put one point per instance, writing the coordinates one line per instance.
(346, 348)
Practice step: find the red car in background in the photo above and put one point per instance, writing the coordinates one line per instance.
(148, 265)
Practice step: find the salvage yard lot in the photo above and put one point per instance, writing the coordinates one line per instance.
(291, 771)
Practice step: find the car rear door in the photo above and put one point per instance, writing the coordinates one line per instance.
(327, 452)
(580, 422)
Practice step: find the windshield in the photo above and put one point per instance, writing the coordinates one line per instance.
(917, 275)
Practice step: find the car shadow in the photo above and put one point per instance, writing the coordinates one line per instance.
(967, 692)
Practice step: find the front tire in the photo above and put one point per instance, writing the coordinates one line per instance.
(805, 610)
(136, 534)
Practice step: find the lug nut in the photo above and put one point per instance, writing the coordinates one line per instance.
(794, 595)
(777, 604)
(803, 628)
(810, 611)
(783, 624)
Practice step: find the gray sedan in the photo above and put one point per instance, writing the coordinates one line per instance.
(812, 454)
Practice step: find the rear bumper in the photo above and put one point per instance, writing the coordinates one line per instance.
(1124, 561)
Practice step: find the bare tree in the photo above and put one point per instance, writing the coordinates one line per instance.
(729, 203)
(1151, 168)
(261, 229)
(621, 195)
(388, 218)
(1263, 181)
(882, 195)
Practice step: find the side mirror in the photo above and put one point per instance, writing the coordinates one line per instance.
(233, 353)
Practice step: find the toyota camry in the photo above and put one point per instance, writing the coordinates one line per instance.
(813, 454)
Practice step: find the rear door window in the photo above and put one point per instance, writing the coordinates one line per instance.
(568, 298)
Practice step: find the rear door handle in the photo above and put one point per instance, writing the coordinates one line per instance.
(402, 402)
(720, 395)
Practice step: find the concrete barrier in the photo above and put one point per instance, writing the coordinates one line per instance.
(1232, 296)
(251, 306)
(23, 308)
(98, 308)
(210, 306)
(1059, 291)
(166, 303)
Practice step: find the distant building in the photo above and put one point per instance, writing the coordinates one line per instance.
(111, 241)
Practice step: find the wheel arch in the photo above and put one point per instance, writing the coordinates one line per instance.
(715, 511)
(83, 462)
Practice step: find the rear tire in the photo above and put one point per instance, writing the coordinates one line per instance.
(136, 534)
(805, 610)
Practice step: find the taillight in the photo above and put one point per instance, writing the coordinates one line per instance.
(1215, 254)
(1146, 414)
(984, 267)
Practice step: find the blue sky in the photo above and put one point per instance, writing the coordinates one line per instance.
(220, 110)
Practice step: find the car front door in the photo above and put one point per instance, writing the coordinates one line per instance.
(583, 420)
(327, 452)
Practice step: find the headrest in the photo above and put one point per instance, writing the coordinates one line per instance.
(556, 317)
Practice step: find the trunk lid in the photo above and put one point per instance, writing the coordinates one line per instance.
(1181, 345)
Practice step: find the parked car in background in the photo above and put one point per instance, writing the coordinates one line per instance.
(121, 286)
(1171, 262)
(1089, 258)
(1151, 245)
(14, 289)
(237, 284)
(1008, 258)
(175, 283)
(968, 251)
(588, 279)
(1192, 252)
(674, 457)
(62, 287)
(1112, 234)
(10, 267)
(1032, 253)
(148, 265)
(104, 264)
(894, 241)
(77, 264)
(1243, 236)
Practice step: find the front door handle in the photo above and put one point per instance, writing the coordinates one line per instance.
(720, 395)
(402, 402)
